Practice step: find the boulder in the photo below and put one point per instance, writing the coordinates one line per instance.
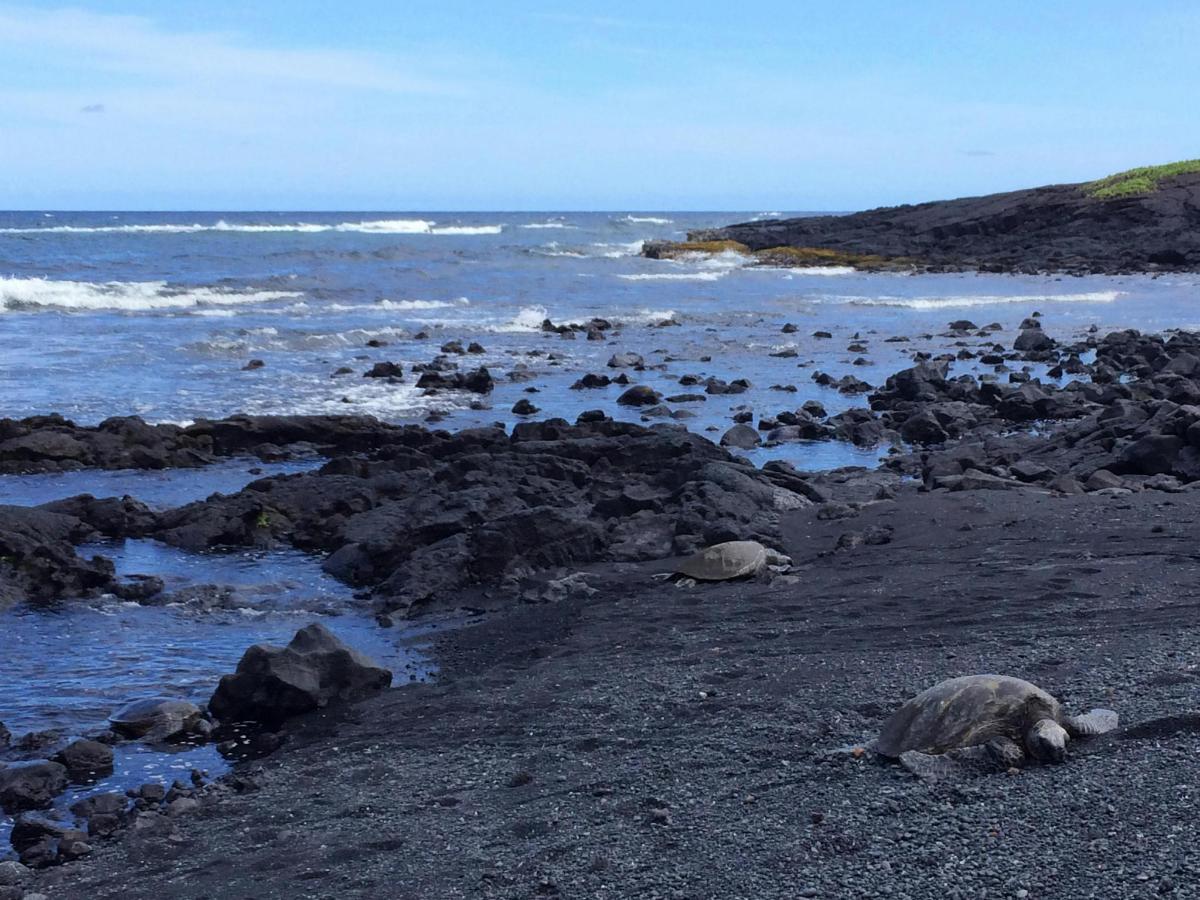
(31, 785)
(626, 360)
(315, 670)
(639, 395)
(1102, 479)
(109, 803)
(741, 436)
(1153, 454)
(591, 381)
(85, 760)
(385, 370)
(1034, 340)
(478, 381)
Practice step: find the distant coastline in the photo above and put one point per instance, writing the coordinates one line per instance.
(1144, 220)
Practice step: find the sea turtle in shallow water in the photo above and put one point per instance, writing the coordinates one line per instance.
(158, 719)
(991, 719)
(723, 562)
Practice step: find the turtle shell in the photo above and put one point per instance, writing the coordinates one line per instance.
(721, 562)
(165, 715)
(965, 712)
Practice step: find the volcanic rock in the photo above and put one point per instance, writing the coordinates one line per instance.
(313, 671)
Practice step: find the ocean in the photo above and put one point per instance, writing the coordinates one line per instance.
(155, 314)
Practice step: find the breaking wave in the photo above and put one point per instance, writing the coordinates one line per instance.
(617, 251)
(677, 276)
(127, 296)
(376, 226)
(821, 270)
(645, 220)
(980, 300)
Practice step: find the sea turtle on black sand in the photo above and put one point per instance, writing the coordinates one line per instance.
(994, 720)
(156, 719)
(724, 562)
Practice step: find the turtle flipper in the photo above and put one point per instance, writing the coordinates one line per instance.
(1098, 721)
(961, 760)
(928, 766)
(1005, 752)
(156, 735)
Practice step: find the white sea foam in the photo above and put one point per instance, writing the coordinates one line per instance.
(387, 226)
(542, 225)
(980, 300)
(643, 316)
(677, 276)
(530, 318)
(467, 229)
(256, 340)
(821, 270)
(395, 305)
(129, 296)
(378, 226)
(645, 220)
(554, 248)
(617, 251)
(362, 396)
(421, 304)
(726, 259)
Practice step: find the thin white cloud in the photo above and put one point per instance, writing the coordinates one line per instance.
(135, 45)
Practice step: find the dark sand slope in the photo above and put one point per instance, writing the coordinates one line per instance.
(1126, 223)
(654, 742)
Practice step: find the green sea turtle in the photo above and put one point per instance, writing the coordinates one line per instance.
(994, 720)
(723, 562)
(157, 719)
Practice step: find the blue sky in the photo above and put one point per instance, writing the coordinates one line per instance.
(298, 104)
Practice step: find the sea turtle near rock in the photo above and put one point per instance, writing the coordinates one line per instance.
(157, 719)
(727, 561)
(985, 720)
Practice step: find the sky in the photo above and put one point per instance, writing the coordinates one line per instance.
(499, 105)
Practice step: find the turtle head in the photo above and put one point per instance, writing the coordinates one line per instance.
(1047, 741)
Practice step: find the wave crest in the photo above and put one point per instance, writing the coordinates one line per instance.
(376, 226)
(923, 303)
(125, 296)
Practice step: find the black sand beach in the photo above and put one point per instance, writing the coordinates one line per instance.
(661, 742)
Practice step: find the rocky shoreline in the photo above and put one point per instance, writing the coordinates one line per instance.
(1074, 228)
(607, 734)
(653, 741)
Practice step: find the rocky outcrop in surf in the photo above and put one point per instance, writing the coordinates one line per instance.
(1136, 221)
(440, 519)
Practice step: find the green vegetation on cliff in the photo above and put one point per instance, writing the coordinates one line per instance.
(1136, 182)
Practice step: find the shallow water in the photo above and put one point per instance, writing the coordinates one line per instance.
(68, 669)
(157, 313)
(161, 489)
